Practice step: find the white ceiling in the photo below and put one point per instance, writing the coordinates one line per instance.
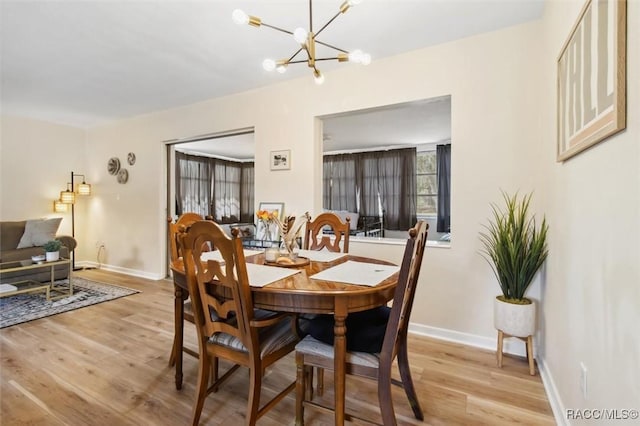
(88, 62)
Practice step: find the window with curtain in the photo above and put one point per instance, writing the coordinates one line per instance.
(373, 183)
(214, 187)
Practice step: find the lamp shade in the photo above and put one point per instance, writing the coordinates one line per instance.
(59, 206)
(67, 197)
(84, 189)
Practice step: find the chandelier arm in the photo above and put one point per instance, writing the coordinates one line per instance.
(310, 17)
(327, 24)
(326, 59)
(277, 28)
(301, 61)
(294, 55)
(330, 46)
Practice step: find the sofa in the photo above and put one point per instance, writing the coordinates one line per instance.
(20, 240)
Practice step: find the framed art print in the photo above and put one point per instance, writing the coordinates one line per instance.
(280, 160)
(591, 78)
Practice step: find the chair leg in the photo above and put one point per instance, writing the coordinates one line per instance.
(253, 403)
(384, 397)
(204, 368)
(407, 381)
(301, 388)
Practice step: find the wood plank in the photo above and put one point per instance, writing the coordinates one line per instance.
(108, 364)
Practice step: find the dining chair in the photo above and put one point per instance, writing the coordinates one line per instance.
(315, 239)
(182, 295)
(377, 366)
(228, 326)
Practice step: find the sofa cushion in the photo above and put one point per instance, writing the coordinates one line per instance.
(10, 234)
(39, 231)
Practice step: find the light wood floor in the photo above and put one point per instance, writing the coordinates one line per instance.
(107, 364)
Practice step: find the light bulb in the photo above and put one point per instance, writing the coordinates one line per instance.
(356, 56)
(354, 2)
(239, 17)
(300, 35)
(318, 77)
(281, 68)
(269, 64)
(366, 59)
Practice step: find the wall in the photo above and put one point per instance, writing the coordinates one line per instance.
(591, 295)
(36, 161)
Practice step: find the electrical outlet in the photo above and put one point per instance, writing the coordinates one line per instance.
(583, 380)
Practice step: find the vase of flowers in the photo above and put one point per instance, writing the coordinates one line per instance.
(268, 219)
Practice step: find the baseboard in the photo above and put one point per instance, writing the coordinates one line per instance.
(511, 346)
(552, 393)
(121, 270)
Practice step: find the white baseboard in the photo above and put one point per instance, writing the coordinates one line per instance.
(121, 270)
(511, 346)
(552, 393)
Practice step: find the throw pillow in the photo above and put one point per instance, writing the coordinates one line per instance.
(39, 231)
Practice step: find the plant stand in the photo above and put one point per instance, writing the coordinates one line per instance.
(528, 341)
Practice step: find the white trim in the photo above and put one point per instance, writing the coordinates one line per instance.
(126, 271)
(552, 393)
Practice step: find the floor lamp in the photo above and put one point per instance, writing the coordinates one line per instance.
(67, 197)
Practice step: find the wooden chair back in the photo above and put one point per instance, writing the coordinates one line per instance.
(396, 332)
(316, 240)
(185, 219)
(218, 288)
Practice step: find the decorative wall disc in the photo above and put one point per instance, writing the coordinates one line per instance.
(113, 165)
(123, 176)
(131, 158)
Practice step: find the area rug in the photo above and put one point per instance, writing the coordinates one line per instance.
(28, 307)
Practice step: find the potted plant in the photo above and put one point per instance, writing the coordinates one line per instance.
(515, 248)
(52, 249)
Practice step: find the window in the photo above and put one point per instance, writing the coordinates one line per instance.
(427, 183)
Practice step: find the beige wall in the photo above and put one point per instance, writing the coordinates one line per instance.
(36, 161)
(591, 294)
(503, 123)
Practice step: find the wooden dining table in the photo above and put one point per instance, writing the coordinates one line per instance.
(299, 293)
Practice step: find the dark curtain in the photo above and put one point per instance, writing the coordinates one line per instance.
(219, 188)
(378, 183)
(339, 181)
(247, 188)
(443, 158)
(193, 184)
(388, 186)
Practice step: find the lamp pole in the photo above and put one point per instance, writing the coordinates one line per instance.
(73, 226)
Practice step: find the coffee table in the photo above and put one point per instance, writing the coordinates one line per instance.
(51, 290)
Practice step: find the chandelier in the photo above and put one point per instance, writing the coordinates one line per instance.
(307, 39)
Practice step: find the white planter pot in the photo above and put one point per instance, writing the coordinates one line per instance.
(514, 320)
(52, 256)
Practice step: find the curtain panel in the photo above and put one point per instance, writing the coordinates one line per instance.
(219, 188)
(443, 157)
(377, 183)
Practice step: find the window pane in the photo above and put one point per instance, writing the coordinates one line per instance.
(426, 204)
(427, 185)
(426, 162)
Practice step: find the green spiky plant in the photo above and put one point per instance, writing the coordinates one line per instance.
(514, 247)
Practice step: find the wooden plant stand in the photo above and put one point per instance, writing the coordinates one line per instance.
(528, 341)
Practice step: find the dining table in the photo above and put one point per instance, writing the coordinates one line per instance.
(312, 288)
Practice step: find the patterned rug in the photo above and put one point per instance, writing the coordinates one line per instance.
(28, 307)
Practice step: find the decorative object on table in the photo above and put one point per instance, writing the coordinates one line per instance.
(113, 165)
(123, 176)
(515, 248)
(27, 307)
(39, 258)
(266, 228)
(592, 92)
(281, 160)
(307, 40)
(52, 250)
(68, 196)
(131, 158)
(290, 229)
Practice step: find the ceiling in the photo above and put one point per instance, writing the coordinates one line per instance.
(88, 62)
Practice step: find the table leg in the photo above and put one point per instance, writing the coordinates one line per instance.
(340, 349)
(178, 338)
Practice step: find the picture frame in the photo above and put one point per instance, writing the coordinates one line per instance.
(280, 160)
(271, 234)
(592, 78)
